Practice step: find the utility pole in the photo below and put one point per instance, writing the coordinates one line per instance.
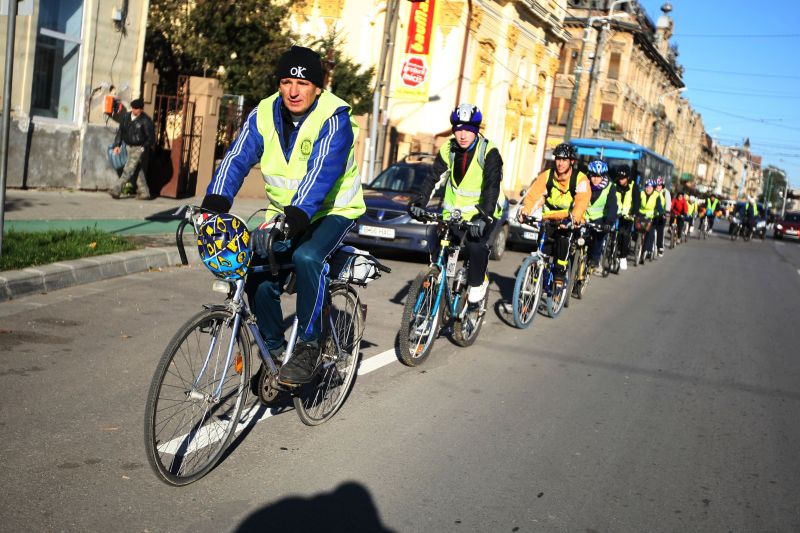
(387, 51)
(594, 73)
(576, 87)
(6, 126)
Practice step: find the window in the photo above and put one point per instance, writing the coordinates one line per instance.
(607, 113)
(558, 111)
(55, 68)
(613, 66)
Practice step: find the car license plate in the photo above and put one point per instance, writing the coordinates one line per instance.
(373, 231)
(530, 235)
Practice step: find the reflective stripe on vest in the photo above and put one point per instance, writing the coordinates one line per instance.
(648, 206)
(625, 202)
(282, 178)
(596, 210)
(467, 195)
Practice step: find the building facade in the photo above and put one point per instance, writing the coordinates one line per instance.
(499, 55)
(68, 55)
(628, 83)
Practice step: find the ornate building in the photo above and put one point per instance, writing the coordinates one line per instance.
(501, 55)
(632, 92)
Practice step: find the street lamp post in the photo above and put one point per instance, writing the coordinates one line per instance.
(660, 101)
(590, 21)
(597, 63)
(6, 124)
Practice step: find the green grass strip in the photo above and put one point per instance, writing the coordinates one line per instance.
(24, 249)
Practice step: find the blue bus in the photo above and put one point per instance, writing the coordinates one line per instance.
(644, 163)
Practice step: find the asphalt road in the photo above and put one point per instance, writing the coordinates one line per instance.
(667, 400)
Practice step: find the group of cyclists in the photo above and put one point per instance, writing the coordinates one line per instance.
(303, 137)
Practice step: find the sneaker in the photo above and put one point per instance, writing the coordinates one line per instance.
(303, 364)
(623, 263)
(476, 294)
(597, 271)
(660, 252)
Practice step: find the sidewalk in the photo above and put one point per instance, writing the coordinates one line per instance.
(154, 222)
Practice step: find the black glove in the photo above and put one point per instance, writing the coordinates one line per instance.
(477, 228)
(259, 239)
(296, 221)
(216, 203)
(417, 211)
(567, 223)
(606, 228)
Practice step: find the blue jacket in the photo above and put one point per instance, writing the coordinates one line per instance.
(326, 163)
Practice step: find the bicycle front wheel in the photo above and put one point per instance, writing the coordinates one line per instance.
(196, 397)
(527, 292)
(419, 325)
(344, 319)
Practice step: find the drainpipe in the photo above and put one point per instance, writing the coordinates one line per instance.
(6, 124)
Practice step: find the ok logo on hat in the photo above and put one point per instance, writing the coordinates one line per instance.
(297, 72)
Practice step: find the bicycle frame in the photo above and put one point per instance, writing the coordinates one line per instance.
(443, 289)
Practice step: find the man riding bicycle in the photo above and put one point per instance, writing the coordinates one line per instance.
(712, 206)
(648, 208)
(679, 211)
(471, 169)
(563, 194)
(627, 192)
(304, 138)
(661, 220)
(750, 214)
(602, 211)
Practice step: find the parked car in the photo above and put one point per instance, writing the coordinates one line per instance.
(788, 226)
(520, 236)
(387, 224)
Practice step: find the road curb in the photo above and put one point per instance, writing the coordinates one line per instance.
(46, 278)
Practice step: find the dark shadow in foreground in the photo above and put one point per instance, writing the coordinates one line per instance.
(349, 508)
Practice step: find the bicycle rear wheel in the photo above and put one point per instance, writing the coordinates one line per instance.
(318, 401)
(557, 298)
(187, 427)
(527, 292)
(419, 325)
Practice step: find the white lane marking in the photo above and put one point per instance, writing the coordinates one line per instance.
(377, 361)
(798, 270)
(209, 434)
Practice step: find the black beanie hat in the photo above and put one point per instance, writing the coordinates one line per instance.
(301, 63)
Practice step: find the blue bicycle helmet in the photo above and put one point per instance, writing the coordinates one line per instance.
(467, 117)
(224, 245)
(598, 168)
(650, 183)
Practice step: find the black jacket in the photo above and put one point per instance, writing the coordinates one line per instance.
(139, 132)
(492, 176)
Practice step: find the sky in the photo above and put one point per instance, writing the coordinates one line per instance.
(742, 72)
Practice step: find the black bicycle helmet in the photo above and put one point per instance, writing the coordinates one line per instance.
(564, 151)
(622, 172)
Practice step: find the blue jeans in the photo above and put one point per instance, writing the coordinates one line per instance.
(308, 253)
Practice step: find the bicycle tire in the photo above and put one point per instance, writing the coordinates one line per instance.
(582, 276)
(414, 352)
(637, 250)
(672, 237)
(318, 401)
(185, 446)
(556, 300)
(466, 329)
(527, 297)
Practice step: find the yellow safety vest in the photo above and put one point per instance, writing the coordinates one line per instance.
(596, 210)
(711, 207)
(467, 195)
(558, 201)
(282, 178)
(648, 205)
(625, 202)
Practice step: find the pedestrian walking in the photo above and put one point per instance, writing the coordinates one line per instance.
(137, 132)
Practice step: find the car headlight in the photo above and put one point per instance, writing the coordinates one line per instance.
(779, 226)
